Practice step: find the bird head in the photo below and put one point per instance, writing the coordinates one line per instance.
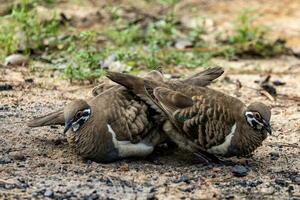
(258, 117)
(76, 114)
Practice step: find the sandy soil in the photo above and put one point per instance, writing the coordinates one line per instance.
(37, 163)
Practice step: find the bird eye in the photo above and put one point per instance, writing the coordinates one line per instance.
(257, 115)
(78, 115)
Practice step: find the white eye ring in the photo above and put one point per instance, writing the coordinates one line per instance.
(257, 115)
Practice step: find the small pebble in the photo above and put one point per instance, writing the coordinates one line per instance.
(281, 182)
(108, 61)
(93, 196)
(267, 191)
(54, 127)
(183, 43)
(108, 182)
(183, 178)
(5, 159)
(278, 83)
(29, 80)
(274, 155)
(34, 194)
(17, 156)
(290, 189)
(239, 171)
(16, 60)
(48, 193)
(269, 88)
(5, 87)
(296, 179)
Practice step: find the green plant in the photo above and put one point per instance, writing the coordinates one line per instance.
(195, 36)
(129, 35)
(151, 61)
(23, 29)
(251, 39)
(7, 42)
(162, 32)
(83, 58)
(186, 59)
(35, 31)
(245, 30)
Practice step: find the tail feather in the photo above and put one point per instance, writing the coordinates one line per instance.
(55, 118)
(141, 87)
(205, 77)
(134, 83)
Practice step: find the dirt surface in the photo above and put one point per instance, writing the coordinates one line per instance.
(37, 163)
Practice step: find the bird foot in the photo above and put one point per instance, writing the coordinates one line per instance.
(207, 159)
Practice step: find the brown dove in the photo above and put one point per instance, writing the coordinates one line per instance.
(115, 123)
(203, 120)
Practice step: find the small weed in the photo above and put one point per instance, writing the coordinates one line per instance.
(24, 30)
(186, 59)
(250, 39)
(166, 2)
(162, 32)
(151, 61)
(143, 44)
(7, 40)
(195, 36)
(83, 58)
(128, 36)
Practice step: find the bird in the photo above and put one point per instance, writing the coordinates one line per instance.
(204, 121)
(115, 123)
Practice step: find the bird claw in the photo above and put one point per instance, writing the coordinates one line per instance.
(206, 158)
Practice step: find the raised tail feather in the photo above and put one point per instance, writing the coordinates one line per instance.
(134, 83)
(205, 77)
(55, 118)
(139, 86)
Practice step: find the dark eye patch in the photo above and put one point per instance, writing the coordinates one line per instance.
(85, 113)
(78, 115)
(249, 115)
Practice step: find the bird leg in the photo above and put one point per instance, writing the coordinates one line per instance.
(207, 158)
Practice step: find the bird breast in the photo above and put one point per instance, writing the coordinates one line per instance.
(222, 149)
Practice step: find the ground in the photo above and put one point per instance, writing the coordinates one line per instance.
(37, 163)
(36, 160)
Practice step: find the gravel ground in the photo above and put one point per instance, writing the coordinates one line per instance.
(37, 163)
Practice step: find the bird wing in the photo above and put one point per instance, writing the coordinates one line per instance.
(141, 87)
(205, 77)
(124, 112)
(102, 87)
(204, 117)
(106, 84)
(144, 88)
(197, 112)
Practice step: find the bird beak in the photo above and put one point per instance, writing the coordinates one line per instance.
(67, 126)
(267, 127)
